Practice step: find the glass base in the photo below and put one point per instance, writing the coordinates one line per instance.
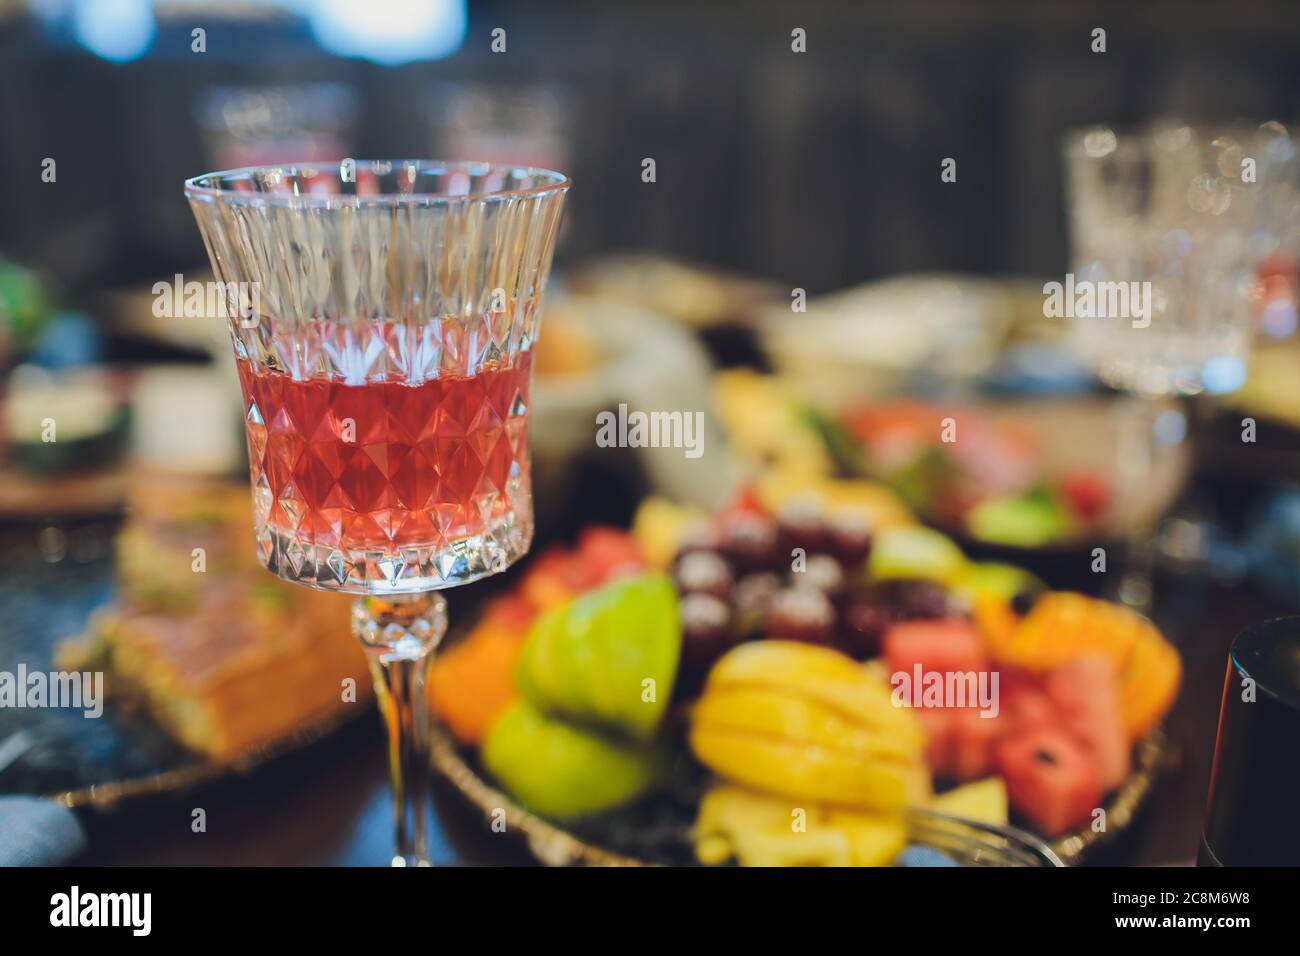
(409, 570)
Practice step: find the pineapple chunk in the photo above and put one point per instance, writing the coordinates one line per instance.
(876, 840)
(817, 847)
(984, 801)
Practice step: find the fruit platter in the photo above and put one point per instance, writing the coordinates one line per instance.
(796, 680)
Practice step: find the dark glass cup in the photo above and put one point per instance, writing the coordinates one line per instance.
(1251, 818)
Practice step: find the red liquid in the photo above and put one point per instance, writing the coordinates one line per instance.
(387, 465)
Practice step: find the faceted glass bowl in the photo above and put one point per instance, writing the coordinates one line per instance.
(382, 315)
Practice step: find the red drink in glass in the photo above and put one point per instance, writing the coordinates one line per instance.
(380, 477)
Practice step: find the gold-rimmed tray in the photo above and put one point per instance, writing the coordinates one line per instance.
(553, 845)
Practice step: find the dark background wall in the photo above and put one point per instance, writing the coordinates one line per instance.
(819, 168)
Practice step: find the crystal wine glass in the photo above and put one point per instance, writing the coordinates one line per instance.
(1168, 213)
(383, 315)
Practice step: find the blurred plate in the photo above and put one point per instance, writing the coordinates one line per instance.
(699, 297)
(871, 340)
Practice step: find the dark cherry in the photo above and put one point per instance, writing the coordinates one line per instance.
(850, 540)
(820, 571)
(749, 543)
(863, 623)
(801, 614)
(703, 572)
(754, 592)
(800, 525)
(699, 536)
(706, 635)
(916, 599)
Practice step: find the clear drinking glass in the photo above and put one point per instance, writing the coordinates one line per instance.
(383, 315)
(1168, 213)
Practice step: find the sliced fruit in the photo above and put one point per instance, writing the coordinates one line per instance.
(758, 829)
(713, 849)
(997, 623)
(726, 807)
(511, 612)
(872, 503)
(940, 726)
(562, 772)
(1087, 704)
(764, 712)
(1148, 685)
(962, 744)
(903, 427)
(807, 723)
(608, 657)
(945, 646)
(659, 528)
(1025, 521)
(874, 839)
(1062, 626)
(820, 847)
(975, 749)
(472, 682)
(608, 553)
(819, 674)
(989, 580)
(1087, 493)
(809, 772)
(915, 552)
(984, 801)
(1025, 705)
(551, 580)
(761, 416)
(1050, 779)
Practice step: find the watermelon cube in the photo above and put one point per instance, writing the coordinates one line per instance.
(1025, 704)
(975, 750)
(948, 645)
(1086, 698)
(940, 727)
(1051, 779)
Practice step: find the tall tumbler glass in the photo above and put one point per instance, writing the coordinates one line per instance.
(1162, 233)
(383, 316)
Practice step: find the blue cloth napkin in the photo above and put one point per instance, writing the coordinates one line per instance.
(36, 832)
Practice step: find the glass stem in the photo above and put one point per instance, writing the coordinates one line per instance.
(400, 634)
(1136, 471)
